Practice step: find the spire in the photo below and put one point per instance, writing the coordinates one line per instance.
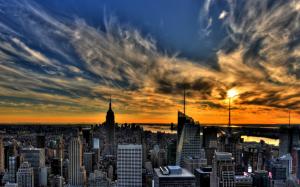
(110, 103)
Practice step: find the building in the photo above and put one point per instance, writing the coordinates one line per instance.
(2, 163)
(40, 141)
(98, 178)
(13, 165)
(25, 175)
(223, 170)
(243, 181)
(173, 176)
(261, 179)
(192, 163)
(202, 176)
(189, 143)
(36, 158)
(281, 169)
(110, 127)
(76, 171)
(129, 165)
(57, 181)
(88, 161)
(11, 185)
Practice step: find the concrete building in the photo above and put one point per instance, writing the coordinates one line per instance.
(76, 171)
(129, 165)
(223, 170)
(174, 176)
(36, 158)
(25, 175)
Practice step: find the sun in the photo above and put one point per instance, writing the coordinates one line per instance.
(232, 93)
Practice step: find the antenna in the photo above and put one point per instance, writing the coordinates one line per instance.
(184, 101)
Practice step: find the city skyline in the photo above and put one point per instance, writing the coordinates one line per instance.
(60, 62)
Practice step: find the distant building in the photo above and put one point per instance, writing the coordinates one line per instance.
(25, 175)
(36, 158)
(223, 170)
(171, 153)
(2, 167)
(203, 176)
(129, 165)
(88, 161)
(173, 176)
(76, 170)
(110, 126)
(14, 163)
(40, 141)
(57, 181)
(98, 178)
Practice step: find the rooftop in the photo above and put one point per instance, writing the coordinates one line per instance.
(184, 173)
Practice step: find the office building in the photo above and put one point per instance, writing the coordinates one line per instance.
(2, 159)
(192, 163)
(36, 158)
(261, 179)
(129, 165)
(76, 170)
(110, 127)
(189, 144)
(25, 175)
(13, 165)
(223, 170)
(174, 176)
(88, 162)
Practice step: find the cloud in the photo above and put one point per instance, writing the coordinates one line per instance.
(50, 63)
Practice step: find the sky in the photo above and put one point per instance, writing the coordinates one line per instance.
(61, 61)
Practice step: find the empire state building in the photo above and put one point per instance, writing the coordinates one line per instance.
(110, 126)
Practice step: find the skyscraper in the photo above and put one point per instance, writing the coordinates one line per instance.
(189, 143)
(25, 175)
(1, 155)
(14, 163)
(110, 126)
(223, 170)
(36, 158)
(129, 165)
(76, 170)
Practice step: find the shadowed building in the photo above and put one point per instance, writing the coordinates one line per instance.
(110, 126)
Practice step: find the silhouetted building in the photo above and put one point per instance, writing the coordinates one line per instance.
(40, 141)
(110, 126)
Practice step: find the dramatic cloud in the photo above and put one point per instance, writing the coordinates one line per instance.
(57, 65)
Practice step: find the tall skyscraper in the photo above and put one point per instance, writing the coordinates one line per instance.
(76, 171)
(36, 158)
(129, 165)
(223, 170)
(14, 163)
(110, 126)
(25, 175)
(189, 143)
(1, 155)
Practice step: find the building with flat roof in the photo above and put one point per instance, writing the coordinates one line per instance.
(174, 176)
